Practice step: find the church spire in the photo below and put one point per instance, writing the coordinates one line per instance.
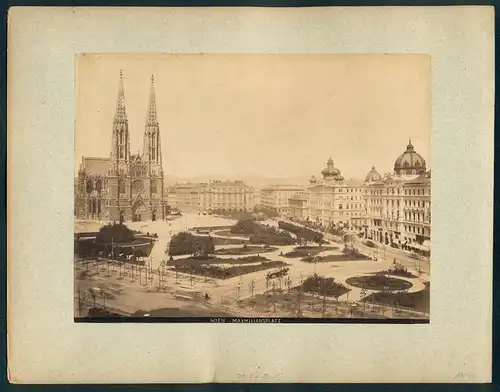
(120, 141)
(152, 147)
(152, 104)
(120, 114)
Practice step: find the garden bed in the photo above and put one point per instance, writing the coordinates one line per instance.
(245, 250)
(229, 241)
(263, 235)
(324, 286)
(378, 282)
(419, 301)
(399, 271)
(334, 258)
(212, 259)
(303, 251)
(301, 232)
(220, 272)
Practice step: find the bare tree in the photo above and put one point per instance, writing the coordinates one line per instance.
(251, 285)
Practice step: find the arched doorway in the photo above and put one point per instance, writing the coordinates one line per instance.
(138, 211)
(153, 215)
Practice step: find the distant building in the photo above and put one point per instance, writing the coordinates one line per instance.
(297, 205)
(123, 186)
(212, 196)
(398, 205)
(276, 197)
(334, 200)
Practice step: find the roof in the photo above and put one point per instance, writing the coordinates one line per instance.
(298, 196)
(422, 178)
(96, 166)
(352, 182)
(283, 187)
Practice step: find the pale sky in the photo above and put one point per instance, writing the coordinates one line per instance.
(264, 115)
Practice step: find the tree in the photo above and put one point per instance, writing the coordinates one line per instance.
(116, 232)
(318, 239)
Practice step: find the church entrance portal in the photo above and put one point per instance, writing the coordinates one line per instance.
(138, 212)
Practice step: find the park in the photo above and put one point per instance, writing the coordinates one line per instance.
(210, 265)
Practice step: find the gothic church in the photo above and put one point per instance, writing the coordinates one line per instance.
(124, 187)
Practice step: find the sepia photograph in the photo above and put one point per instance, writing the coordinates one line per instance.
(258, 188)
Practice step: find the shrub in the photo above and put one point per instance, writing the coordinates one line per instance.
(302, 232)
(262, 234)
(116, 232)
(324, 286)
(185, 243)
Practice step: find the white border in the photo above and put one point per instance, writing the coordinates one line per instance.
(44, 343)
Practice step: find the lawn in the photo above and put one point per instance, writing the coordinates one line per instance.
(304, 251)
(226, 233)
(212, 259)
(378, 282)
(324, 286)
(228, 241)
(218, 271)
(334, 258)
(245, 250)
(419, 301)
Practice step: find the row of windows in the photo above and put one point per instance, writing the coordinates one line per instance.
(395, 191)
(416, 192)
(414, 203)
(418, 217)
(413, 229)
(351, 206)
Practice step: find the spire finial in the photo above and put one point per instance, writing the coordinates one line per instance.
(152, 78)
(120, 113)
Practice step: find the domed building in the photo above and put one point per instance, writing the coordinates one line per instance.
(409, 162)
(331, 173)
(335, 200)
(373, 175)
(398, 204)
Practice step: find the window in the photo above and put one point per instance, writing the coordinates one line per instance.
(340, 206)
(122, 187)
(90, 186)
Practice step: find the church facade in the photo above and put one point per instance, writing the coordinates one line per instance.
(124, 186)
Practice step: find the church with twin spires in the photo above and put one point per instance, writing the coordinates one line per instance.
(124, 186)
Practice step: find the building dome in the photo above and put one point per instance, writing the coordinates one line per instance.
(330, 171)
(409, 162)
(373, 175)
(313, 180)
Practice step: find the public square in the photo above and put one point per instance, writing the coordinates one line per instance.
(160, 291)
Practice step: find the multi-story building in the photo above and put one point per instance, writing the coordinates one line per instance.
(124, 186)
(185, 197)
(212, 196)
(297, 205)
(398, 204)
(334, 200)
(276, 197)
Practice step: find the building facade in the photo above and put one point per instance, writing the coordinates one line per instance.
(212, 196)
(297, 205)
(398, 204)
(276, 197)
(335, 200)
(124, 186)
